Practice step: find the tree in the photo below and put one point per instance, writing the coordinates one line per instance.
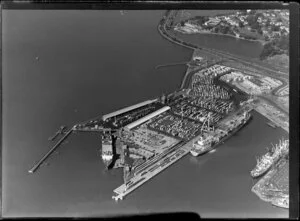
(241, 24)
(259, 31)
(267, 38)
(275, 28)
(255, 25)
(226, 30)
(250, 19)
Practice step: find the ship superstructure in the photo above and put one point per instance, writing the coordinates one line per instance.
(209, 140)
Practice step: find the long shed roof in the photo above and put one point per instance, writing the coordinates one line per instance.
(147, 117)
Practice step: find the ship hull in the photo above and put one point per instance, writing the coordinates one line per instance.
(107, 163)
(260, 173)
(198, 153)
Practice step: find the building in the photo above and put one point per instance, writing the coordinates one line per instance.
(127, 109)
(147, 117)
(197, 58)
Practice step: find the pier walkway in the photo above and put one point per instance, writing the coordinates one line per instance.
(38, 164)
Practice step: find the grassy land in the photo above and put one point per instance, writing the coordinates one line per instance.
(279, 60)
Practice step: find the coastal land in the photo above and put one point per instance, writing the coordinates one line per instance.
(271, 102)
(212, 103)
(252, 66)
(274, 186)
(170, 28)
(199, 184)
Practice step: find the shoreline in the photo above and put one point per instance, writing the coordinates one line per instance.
(262, 42)
(253, 62)
(261, 191)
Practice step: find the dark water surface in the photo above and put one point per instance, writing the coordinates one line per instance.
(229, 44)
(90, 63)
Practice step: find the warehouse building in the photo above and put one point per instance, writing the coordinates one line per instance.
(127, 109)
(147, 117)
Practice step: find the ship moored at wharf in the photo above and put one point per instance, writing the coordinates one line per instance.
(209, 140)
(107, 150)
(264, 163)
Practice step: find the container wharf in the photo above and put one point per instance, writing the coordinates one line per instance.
(226, 137)
(176, 121)
(154, 168)
(38, 164)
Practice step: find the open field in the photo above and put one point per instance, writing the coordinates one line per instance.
(273, 114)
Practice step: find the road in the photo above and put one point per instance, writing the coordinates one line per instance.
(278, 74)
(174, 39)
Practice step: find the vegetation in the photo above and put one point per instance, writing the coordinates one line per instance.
(223, 28)
(276, 47)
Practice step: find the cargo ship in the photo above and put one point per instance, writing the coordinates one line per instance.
(264, 163)
(208, 141)
(107, 150)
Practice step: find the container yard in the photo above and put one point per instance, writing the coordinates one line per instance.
(175, 126)
(152, 140)
(203, 86)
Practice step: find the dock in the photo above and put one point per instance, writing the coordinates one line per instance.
(153, 169)
(37, 165)
(60, 131)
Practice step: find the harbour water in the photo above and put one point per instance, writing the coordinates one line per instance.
(90, 63)
(229, 44)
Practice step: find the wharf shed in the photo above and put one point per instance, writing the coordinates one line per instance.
(127, 109)
(147, 117)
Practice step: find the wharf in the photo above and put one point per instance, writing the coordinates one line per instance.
(273, 115)
(158, 166)
(37, 165)
(274, 187)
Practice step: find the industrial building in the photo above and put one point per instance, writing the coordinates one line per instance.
(147, 117)
(127, 109)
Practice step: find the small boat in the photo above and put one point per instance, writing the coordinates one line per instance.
(271, 124)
